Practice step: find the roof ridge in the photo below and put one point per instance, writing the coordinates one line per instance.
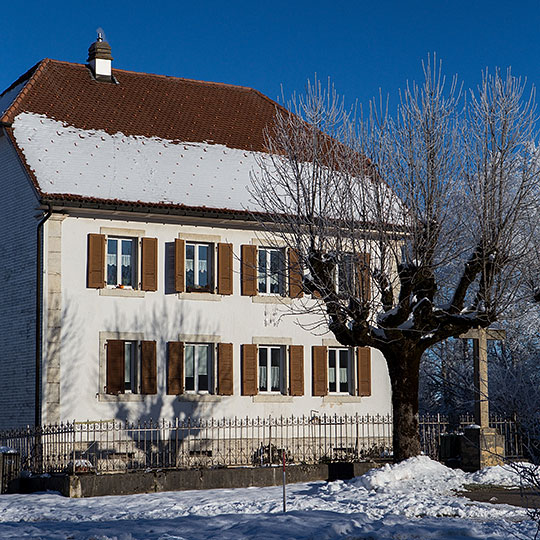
(6, 117)
(167, 77)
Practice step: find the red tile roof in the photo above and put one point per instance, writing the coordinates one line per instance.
(145, 104)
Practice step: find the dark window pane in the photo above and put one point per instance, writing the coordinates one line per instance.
(127, 262)
(190, 265)
(263, 369)
(262, 271)
(275, 370)
(112, 247)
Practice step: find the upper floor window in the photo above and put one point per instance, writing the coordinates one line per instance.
(339, 370)
(121, 262)
(198, 367)
(199, 266)
(270, 271)
(270, 369)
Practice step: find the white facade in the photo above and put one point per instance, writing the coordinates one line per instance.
(89, 317)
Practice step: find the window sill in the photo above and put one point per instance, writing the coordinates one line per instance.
(271, 299)
(208, 398)
(131, 293)
(116, 398)
(271, 398)
(206, 296)
(339, 399)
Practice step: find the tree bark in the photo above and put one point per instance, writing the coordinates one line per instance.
(404, 370)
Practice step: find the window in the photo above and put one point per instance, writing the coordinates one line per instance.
(130, 367)
(270, 369)
(339, 370)
(198, 367)
(121, 262)
(270, 271)
(199, 265)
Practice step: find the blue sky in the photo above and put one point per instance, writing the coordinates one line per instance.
(361, 45)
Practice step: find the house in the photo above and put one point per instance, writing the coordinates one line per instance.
(135, 283)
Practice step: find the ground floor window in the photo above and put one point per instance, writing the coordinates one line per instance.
(339, 370)
(198, 367)
(270, 369)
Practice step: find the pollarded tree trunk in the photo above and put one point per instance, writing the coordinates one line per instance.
(404, 368)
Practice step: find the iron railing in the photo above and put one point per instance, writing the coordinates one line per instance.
(113, 445)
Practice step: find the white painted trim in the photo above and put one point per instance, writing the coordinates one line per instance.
(116, 231)
(270, 340)
(203, 238)
(199, 338)
(131, 293)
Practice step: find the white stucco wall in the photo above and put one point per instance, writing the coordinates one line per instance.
(18, 291)
(164, 317)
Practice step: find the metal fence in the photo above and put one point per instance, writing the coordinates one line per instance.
(112, 445)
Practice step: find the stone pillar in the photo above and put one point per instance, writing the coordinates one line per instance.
(481, 390)
(52, 318)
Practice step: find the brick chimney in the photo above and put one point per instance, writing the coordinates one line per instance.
(99, 59)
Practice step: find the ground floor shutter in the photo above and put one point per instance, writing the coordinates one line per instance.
(115, 367)
(364, 371)
(175, 368)
(225, 369)
(148, 367)
(249, 270)
(249, 370)
(296, 370)
(320, 370)
(95, 278)
(149, 256)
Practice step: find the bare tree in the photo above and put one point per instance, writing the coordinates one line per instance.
(410, 229)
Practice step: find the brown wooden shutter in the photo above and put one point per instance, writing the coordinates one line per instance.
(225, 269)
(148, 367)
(115, 367)
(320, 370)
(296, 370)
(225, 369)
(175, 368)
(364, 371)
(96, 261)
(249, 270)
(249, 370)
(363, 282)
(295, 275)
(149, 257)
(179, 265)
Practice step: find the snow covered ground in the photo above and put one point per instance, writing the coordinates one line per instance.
(411, 500)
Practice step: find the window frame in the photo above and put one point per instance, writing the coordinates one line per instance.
(211, 366)
(268, 271)
(350, 370)
(211, 280)
(135, 259)
(282, 367)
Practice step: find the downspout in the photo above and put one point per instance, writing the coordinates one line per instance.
(39, 315)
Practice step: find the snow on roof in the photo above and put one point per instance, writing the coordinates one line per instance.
(93, 163)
